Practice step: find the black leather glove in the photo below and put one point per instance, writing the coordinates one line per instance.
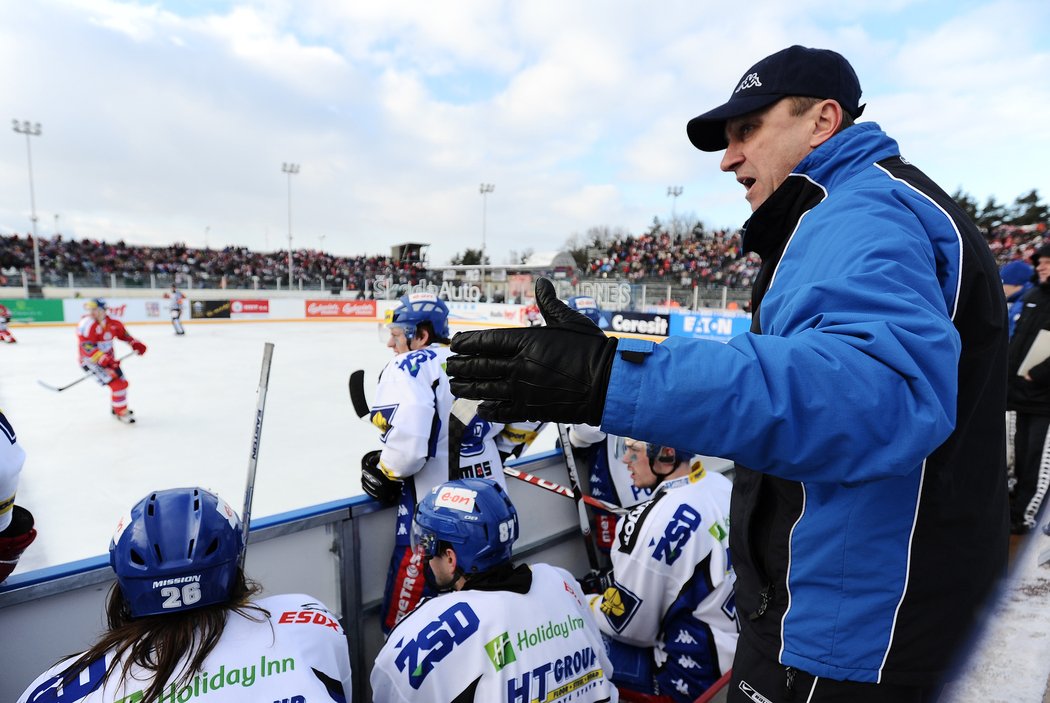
(557, 373)
(596, 581)
(376, 483)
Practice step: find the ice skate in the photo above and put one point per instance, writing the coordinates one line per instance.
(124, 415)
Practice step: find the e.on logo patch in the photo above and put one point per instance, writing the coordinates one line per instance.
(457, 499)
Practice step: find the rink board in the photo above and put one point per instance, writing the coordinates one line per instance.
(336, 552)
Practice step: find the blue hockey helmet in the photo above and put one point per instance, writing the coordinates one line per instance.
(179, 549)
(662, 460)
(666, 455)
(474, 515)
(95, 304)
(587, 305)
(415, 308)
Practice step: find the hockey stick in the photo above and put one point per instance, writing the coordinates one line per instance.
(361, 407)
(89, 374)
(253, 458)
(577, 494)
(562, 490)
(357, 393)
(715, 688)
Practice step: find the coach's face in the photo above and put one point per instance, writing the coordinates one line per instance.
(765, 146)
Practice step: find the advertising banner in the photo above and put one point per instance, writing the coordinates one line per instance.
(499, 313)
(123, 309)
(210, 309)
(652, 324)
(701, 325)
(249, 309)
(341, 308)
(33, 310)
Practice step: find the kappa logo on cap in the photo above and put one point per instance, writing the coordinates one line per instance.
(751, 80)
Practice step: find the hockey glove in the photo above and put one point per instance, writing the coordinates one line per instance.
(104, 360)
(376, 483)
(138, 346)
(557, 373)
(596, 581)
(14, 540)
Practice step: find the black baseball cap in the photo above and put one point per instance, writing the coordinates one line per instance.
(797, 70)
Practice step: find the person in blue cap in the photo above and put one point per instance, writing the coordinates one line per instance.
(1017, 280)
(864, 408)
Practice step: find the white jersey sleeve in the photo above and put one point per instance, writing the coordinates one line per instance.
(517, 435)
(298, 653)
(583, 436)
(12, 457)
(411, 409)
(498, 646)
(672, 577)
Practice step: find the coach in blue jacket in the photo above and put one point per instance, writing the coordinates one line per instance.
(870, 525)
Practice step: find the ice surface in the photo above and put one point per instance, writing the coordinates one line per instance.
(194, 399)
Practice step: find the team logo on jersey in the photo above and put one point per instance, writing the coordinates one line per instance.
(435, 641)
(500, 651)
(678, 531)
(473, 441)
(383, 418)
(414, 361)
(619, 605)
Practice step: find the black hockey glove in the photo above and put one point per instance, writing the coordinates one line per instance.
(596, 581)
(376, 483)
(557, 373)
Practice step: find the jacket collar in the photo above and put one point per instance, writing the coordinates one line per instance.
(832, 163)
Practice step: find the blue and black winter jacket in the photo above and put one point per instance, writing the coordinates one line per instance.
(866, 403)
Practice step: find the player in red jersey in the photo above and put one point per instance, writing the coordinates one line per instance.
(95, 335)
(5, 334)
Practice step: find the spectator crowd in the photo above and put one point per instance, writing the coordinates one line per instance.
(229, 267)
(705, 260)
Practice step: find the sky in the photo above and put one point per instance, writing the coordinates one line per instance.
(171, 121)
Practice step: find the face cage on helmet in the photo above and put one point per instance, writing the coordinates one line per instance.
(424, 542)
(428, 544)
(385, 334)
(625, 447)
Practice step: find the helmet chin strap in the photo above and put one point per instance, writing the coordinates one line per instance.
(660, 478)
(441, 588)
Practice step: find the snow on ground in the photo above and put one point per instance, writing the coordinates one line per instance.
(1010, 662)
(194, 398)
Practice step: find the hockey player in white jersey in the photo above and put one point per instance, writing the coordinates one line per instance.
(602, 454)
(175, 300)
(17, 529)
(498, 632)
(411, 408)
(608, 476)
(182, 623)
(671, 587)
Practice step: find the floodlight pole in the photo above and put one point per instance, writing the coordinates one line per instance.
(31, 130)
(673, 192)
(291, 170)
(484, 189)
